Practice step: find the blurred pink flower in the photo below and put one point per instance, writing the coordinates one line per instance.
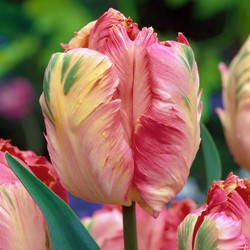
(22, 225)
(16, 98)
(106, 226)
(122, 112)
(223, 221)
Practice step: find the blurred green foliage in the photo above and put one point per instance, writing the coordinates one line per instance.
(30, 31)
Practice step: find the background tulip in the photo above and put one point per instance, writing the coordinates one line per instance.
(153, 233)
(17, 98)
(235, 115)
(221, 223)
(122, 113)
(22, 225)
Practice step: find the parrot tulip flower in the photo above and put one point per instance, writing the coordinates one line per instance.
(221, 223)
(158, 233)
(122, 113)
(22, 225)
(235, 117)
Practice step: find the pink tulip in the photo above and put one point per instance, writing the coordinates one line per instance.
(22, 225)
(235, 117)
(122, 114)
(221, 223)
(153, 234)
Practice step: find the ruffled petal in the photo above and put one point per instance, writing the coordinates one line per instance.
(237, 207)
(84, 131)
(167, 136)
(22, 225)
(112, 18)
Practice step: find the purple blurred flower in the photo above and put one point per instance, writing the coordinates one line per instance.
(17, 98)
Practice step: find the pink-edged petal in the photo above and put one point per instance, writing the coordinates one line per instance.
(182, 39)
(238, 208)
(22, 225)
(100, 33)
(84, 131)
(131, 65)
(219, 231)
(167, 136)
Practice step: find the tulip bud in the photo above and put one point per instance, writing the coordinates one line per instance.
(22, 225)
(235, 117)
(221, 223)
(122, 114)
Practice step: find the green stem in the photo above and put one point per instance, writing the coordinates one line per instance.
(129, 227)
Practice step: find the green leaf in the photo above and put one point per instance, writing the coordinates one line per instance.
(66, 230)
(211, 157)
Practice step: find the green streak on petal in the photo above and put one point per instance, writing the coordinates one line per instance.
(186, 101)
(189, 57)
(49, 116)
(46, 84)
(237, 94)
(185, 232)
(72, 77)
(206, 238)
(3, 190)
(65, 66)
(47, 78)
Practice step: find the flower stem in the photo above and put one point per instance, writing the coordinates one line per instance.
(129, 227)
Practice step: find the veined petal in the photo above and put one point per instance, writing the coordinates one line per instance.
(131, 65)
(22, 224)
(218, 231)
(84, 131)
(167, 136)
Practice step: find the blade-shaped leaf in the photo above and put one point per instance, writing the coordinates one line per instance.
(211, 157)
(66, 230)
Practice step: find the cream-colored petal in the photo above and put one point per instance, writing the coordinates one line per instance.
(84, 132)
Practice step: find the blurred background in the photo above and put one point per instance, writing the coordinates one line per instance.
(30, 31)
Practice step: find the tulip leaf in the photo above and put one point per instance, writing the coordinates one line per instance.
(66, 230)
(211, 157)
